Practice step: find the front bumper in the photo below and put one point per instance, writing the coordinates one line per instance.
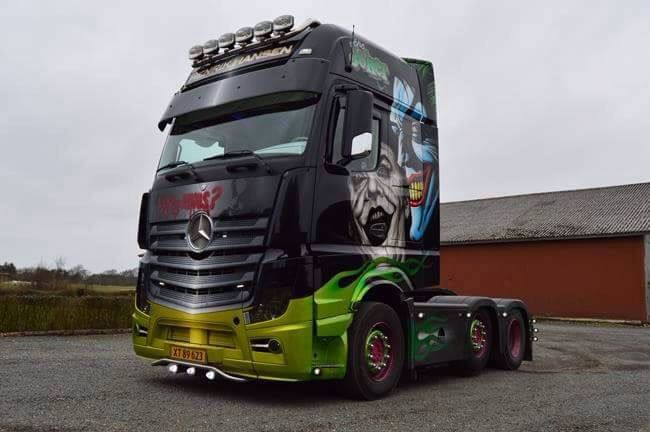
(227, 341)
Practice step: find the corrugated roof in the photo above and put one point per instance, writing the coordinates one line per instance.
(606, 211)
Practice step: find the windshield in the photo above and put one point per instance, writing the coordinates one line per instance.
(268, 126)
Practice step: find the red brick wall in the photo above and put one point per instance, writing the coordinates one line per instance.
(593, 278)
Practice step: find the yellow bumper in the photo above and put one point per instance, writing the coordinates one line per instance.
(226, 340)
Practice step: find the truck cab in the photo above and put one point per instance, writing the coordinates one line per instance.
(292, 229)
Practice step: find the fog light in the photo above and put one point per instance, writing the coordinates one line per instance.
(468, 314)
(210, 375)
(274, 346)
(244, 36)
(211, 47)
(283, 24)
(263, 30)
(227, 41)
(196, 52)
(173, 368)
(191, 371)
(317, 371)
(505, 314)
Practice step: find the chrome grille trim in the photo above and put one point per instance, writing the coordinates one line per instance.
(202, 282)
(193, 300)
(168, 228)
(210, 263)
(240, 225)
(223, 274)
(218, 243)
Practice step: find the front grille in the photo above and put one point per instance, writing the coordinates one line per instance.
(224, 273)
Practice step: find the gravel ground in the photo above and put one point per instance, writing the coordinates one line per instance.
(584, 378)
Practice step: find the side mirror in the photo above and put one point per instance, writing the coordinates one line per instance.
(143, 235)
(357, 136)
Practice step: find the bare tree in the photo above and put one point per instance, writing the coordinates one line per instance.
(59, 263)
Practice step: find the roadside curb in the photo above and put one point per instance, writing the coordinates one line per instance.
(66, 332)
(593, 321)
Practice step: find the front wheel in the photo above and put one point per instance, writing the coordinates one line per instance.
(375, 352)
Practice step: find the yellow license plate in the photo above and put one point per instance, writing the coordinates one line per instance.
(187, 354)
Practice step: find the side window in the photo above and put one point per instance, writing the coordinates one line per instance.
(368, 163)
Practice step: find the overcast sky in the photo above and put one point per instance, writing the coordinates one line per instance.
(532, 96)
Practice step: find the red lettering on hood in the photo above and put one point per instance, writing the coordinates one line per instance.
(171, 205)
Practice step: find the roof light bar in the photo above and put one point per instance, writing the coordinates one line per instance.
(244, 36)
(283, 24)
(227, 41)
(211, 47)
(263, 30)
(196, 52)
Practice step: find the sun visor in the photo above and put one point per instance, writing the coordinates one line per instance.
(306, 75)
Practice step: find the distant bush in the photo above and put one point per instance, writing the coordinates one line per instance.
(37, 313)
(59, 278)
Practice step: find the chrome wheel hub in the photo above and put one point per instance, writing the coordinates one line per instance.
(478, 336)
(378, 353)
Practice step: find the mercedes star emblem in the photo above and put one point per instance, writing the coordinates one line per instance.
(199, 231)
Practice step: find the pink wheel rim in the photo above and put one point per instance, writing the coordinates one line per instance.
(478, 337)
(379, 360)
(514, 338)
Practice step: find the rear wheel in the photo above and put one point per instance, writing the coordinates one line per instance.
(375, 352)
(515, 343)
(480, 340)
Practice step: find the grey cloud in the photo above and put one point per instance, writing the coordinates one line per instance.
(532, 97)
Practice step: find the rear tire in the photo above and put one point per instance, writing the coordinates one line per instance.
(514, 343)
(480, 339)
(375, 352)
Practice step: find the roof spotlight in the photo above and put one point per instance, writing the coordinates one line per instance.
(244, 36)
(227, 41)
(211, 47)
(263, 30)
(196, 52)
(283, 23)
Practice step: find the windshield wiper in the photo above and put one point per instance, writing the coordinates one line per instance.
(238, 153)
(171, 165)
(172, 176)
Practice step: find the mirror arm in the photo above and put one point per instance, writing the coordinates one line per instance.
(335, 168)
(362, 155)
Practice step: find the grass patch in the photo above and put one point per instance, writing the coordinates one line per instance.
(74, 290)
(64, 312)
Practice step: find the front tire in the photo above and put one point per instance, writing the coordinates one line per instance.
(375, 352)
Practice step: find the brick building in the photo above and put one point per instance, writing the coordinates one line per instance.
(579, 254)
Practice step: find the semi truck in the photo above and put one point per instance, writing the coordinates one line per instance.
(292, 231)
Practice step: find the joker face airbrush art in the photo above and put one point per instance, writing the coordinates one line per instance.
(379, 209)
(416, 155)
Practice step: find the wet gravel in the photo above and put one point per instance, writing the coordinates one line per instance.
(584, 378)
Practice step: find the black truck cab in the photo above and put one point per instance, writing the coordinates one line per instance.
(292, 229)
